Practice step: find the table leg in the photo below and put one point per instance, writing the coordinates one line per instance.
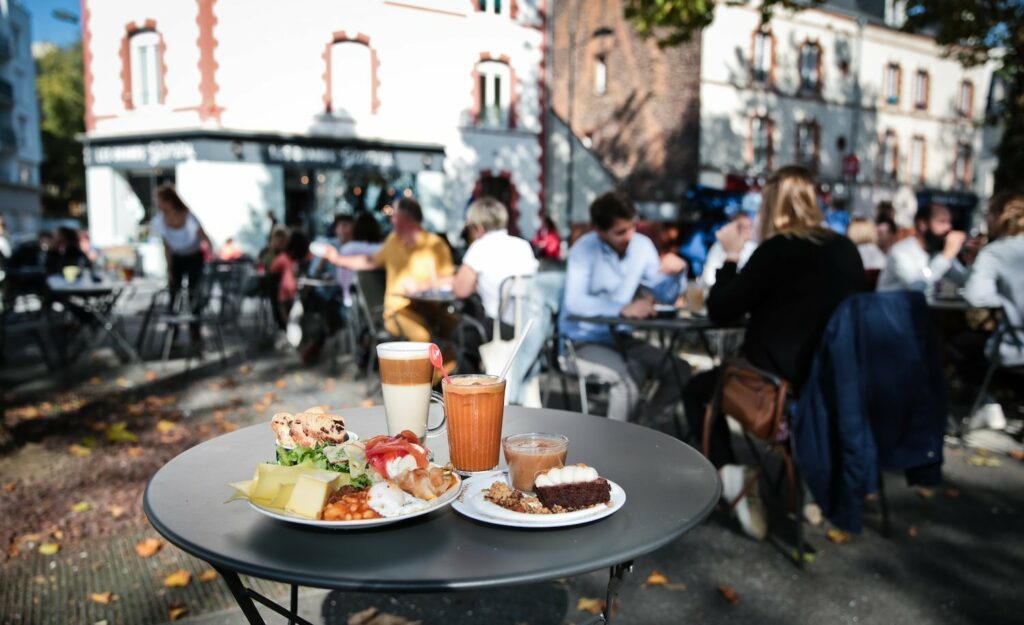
(616, 575)
(241, 595)
(294, 603)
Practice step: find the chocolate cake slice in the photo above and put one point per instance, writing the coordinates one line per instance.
(564, 489)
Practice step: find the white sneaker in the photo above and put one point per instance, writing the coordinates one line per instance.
(989, 416)
(750, 509)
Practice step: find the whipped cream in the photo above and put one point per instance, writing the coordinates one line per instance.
(573, 474)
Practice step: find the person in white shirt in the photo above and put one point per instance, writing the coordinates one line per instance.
(919, 262)
(493, 256)
(744, 220)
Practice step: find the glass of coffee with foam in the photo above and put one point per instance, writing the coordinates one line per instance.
(406, 378)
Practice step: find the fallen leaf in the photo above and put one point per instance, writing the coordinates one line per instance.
(98, 426)
(81, 506)
(118, 433)
(102, 598)
(148, 547)
(983, 460)
(89, 442)
(163, 426)
(178, 579)
(281, 383)
(116, 511)
(49, 549)
(1017, 454)
(838, 536)
(228, 426)
(729, 594)
(218, 415)
(10, 486)
(124, 382)
(953, 493)
(207, 576)
(176, 610)
(926, 493)
(136, 452)
(78, 450)
(590, 604)
(151, 376)
(95, 381)
(656, 579)
(912, 531)
(366, 403)
(244, 369)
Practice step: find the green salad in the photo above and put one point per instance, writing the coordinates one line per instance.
(349, 458)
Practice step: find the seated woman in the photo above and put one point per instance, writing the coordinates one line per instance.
(792, 283)
(493, 256)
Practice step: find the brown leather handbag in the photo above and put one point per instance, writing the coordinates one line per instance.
(750, 395)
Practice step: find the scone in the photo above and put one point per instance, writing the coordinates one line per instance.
(282, 424)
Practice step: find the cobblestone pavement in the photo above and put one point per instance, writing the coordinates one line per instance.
(955, 557)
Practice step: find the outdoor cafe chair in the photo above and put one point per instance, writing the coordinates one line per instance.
(173, 315)
(1003, 329)
(370, 288)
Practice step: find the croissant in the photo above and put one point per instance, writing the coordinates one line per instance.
(425, 484)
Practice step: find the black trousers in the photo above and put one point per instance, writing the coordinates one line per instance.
(188, 266)
(696, 397)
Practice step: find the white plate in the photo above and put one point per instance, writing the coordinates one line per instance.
(471, 503)
(436, 504)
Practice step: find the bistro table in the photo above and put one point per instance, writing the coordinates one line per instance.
(675, 326)
(670, 488)
(97, 299)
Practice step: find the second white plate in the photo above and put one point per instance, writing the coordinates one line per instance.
(471, 503)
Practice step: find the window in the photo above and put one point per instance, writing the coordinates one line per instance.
(807, 145)
(351, 79)
(965, 99)
(144, 49)
(491, 6)
(810, 67)
(600, 76)
(893, 74)
(917, 160)
(889, 163)
(962, 166)
(921, 86)
(761, 60)
(761, 143)
(493, 93)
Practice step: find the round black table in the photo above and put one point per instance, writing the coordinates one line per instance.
(670, 488)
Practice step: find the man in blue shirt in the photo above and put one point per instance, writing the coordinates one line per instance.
(607, 268)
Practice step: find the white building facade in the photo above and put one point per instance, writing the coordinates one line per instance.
(20, 144)
(312, 109)
(842, 92)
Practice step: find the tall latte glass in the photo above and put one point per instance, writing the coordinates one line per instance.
(406, 377)
(475, 406)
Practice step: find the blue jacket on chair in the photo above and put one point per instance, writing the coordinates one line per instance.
(876, 400)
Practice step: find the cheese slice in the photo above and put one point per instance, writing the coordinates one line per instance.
(283, 495)
(271, 477)
(243, 490)
(311, 492)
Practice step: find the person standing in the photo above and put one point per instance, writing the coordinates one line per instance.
(917, 263)
(606, 269)
(183, 238)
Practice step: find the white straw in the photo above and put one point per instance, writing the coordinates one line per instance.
(515, 350)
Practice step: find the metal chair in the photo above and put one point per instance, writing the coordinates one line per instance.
(370, 288)
(1003, 330)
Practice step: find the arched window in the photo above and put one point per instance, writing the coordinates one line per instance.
(893, 82)
(144, 55)
(762, 57)
(918, 158)
(760, 144)
(494, 91)
(889, 157)
(810, 67)
(351, 76)
(962, 166)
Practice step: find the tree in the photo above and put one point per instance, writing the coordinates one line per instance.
(676, 21)
(62, 102)
(975, 32)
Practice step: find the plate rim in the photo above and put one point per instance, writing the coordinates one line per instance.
(467, 508)
(451, 495)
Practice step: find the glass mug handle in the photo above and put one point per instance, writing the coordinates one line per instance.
(437, 429)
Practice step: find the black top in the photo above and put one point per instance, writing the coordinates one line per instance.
(790, 287)
(669, 487)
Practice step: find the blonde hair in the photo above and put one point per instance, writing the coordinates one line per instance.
(862, 231)
(789, 205)
(488, 213)
(1008, 210)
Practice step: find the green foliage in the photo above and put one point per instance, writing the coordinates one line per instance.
(674, 22)
(977, 31)
(62, 103)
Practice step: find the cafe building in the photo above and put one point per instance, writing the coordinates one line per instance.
(251, 108)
